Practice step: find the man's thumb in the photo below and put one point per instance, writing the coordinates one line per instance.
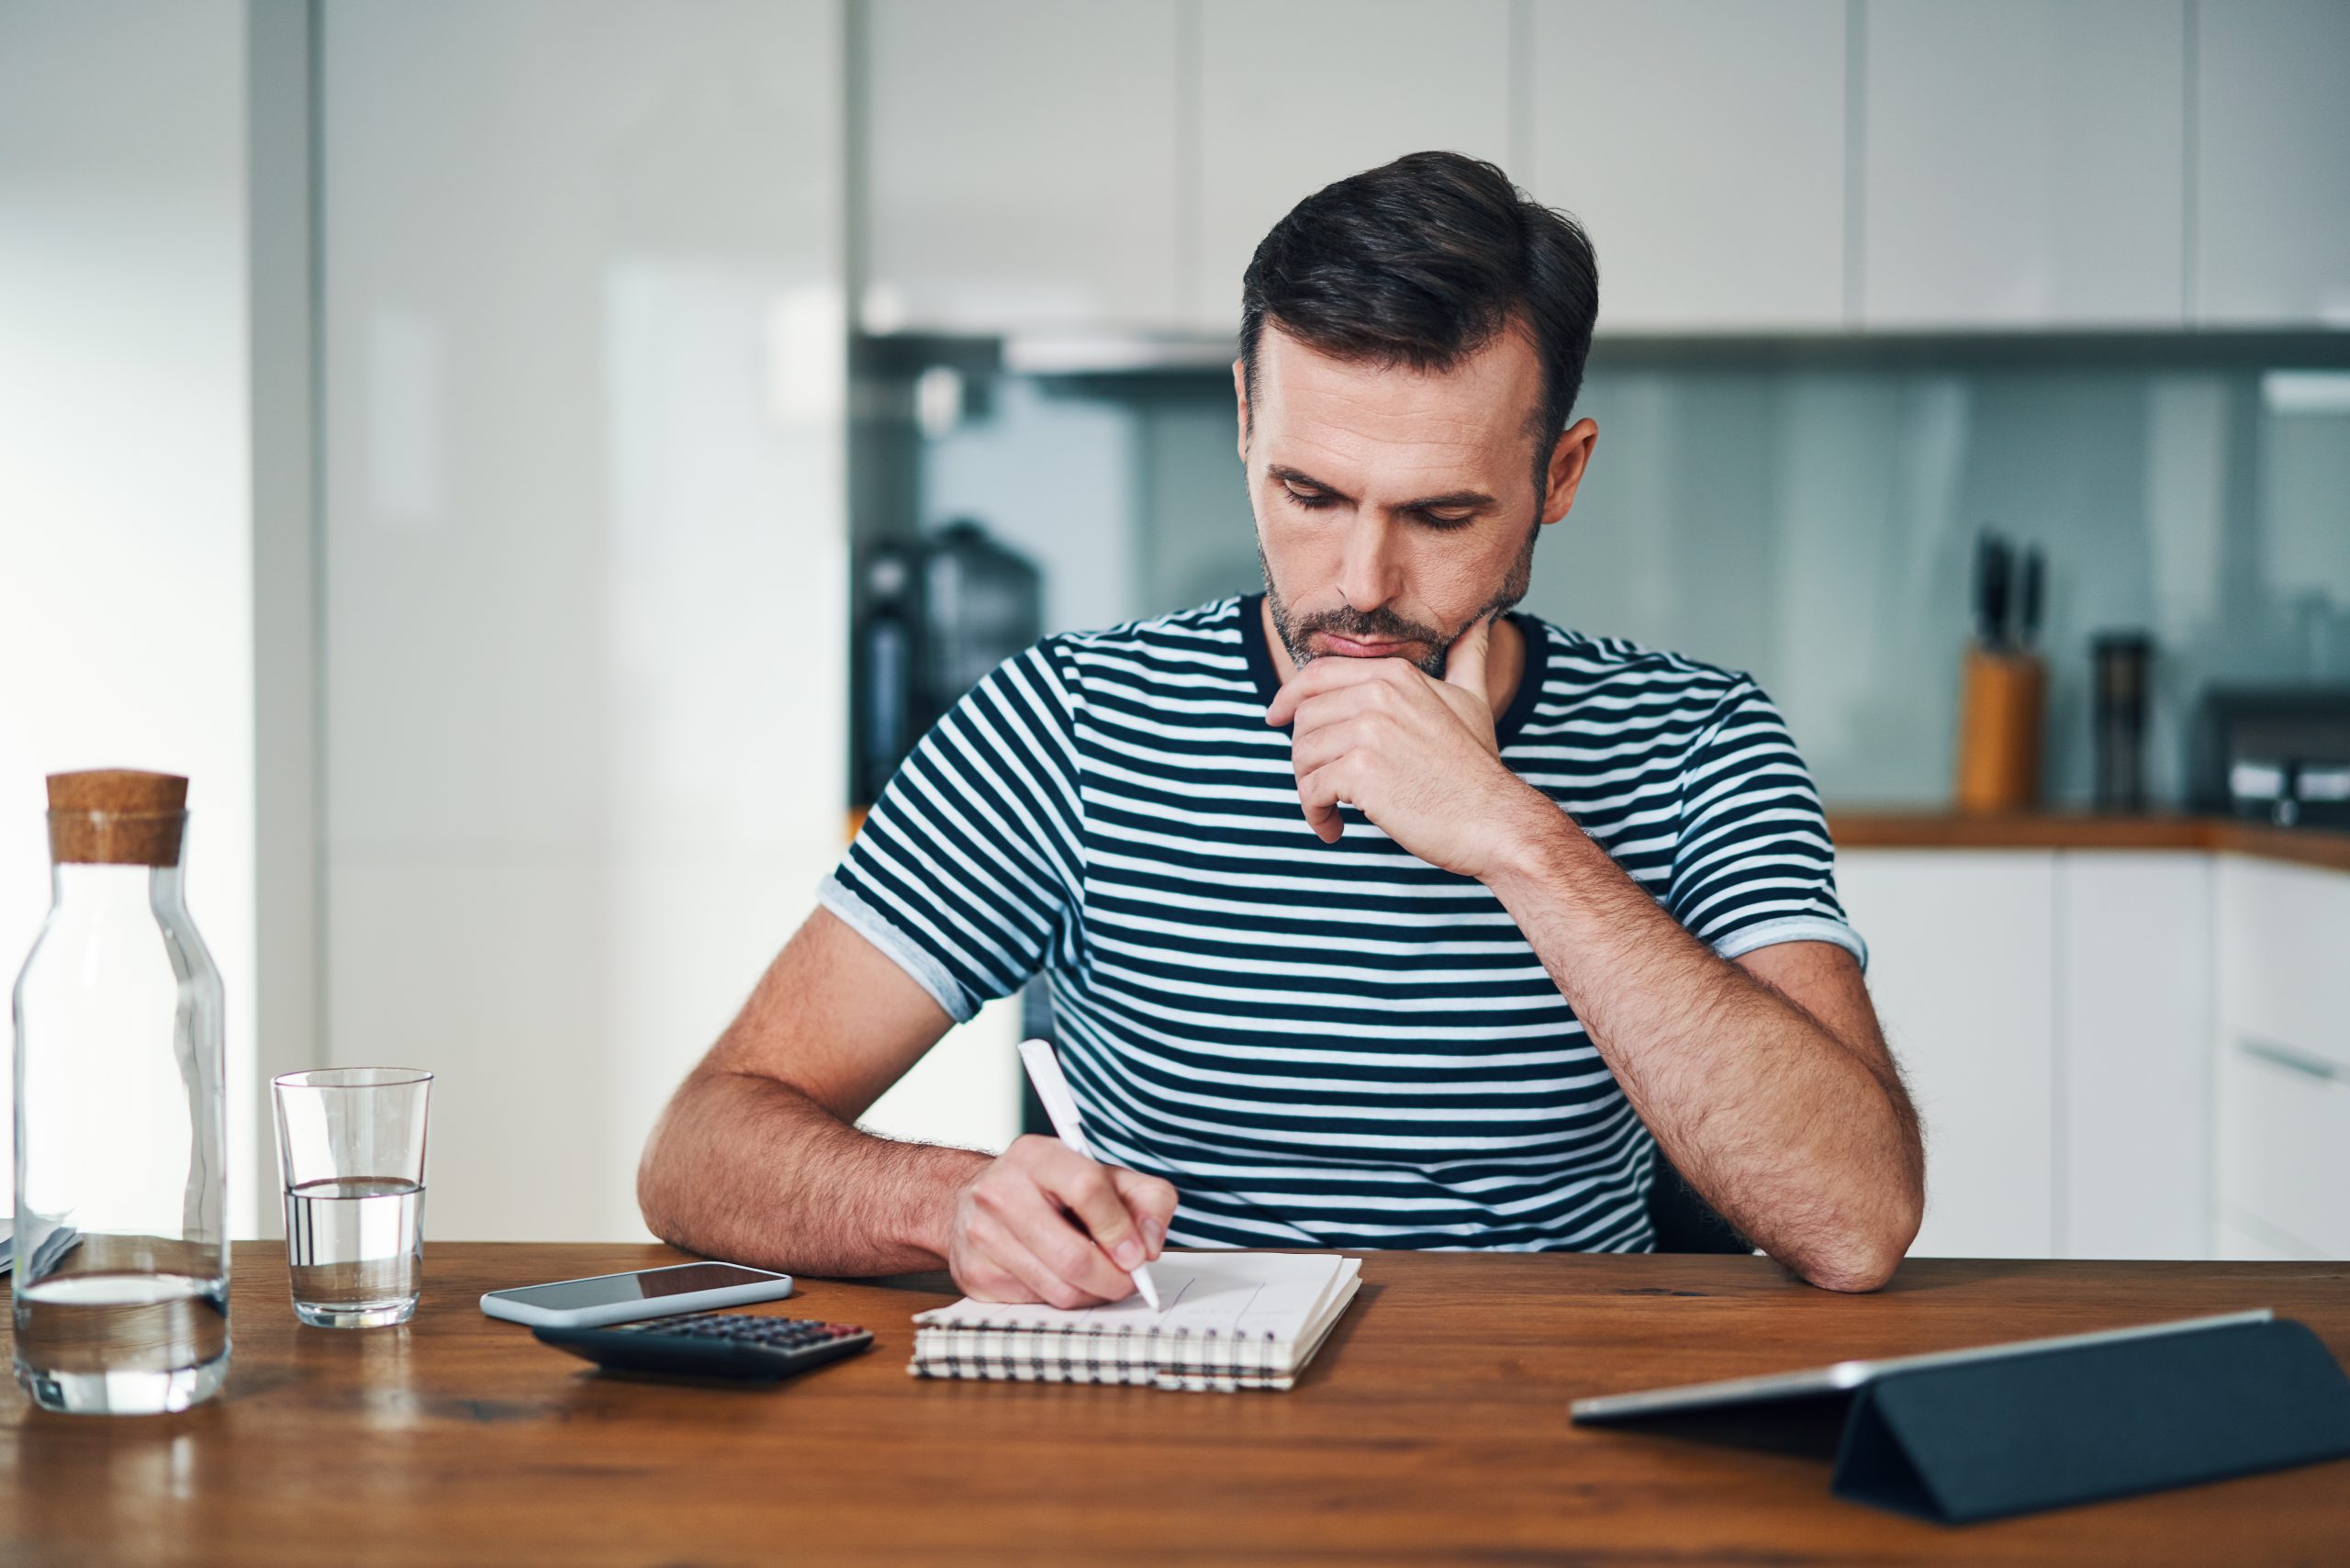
(1464, 662)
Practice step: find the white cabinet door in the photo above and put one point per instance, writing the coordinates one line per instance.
(2023, 162)
(2283, 1048)
(133, 625)
(2133, 1063)
(1960, 967)
(2284, 1146)
(1702, 144)
(2272, 181)
(1295, 93)
(2284, 947)
(2240, 1238)
(1021, 162)
(583, 389)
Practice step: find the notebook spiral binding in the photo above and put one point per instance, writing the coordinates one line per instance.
(1032, 1352)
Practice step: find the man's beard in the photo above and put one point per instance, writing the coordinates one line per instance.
(1383, 624)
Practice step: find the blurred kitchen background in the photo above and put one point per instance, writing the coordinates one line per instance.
(534, 463)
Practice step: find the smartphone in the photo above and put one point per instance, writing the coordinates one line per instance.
(647, 1292)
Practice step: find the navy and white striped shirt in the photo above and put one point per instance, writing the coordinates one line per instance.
(1323, 1044)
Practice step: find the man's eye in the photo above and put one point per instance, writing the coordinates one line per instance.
(1311, 500)
(1448, 520)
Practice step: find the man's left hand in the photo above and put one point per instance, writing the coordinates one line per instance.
(1416, 756)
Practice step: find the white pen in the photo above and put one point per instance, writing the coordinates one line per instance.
(1045, 1073)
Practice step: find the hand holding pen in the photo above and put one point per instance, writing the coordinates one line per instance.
(1044, 1222)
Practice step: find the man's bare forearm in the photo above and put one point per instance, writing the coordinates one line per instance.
(746, 1168)
(1800, 1140)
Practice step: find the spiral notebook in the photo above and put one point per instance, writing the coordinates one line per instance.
(1231, 1320)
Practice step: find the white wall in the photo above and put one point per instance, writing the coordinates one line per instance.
(126, 455)
(585, 560)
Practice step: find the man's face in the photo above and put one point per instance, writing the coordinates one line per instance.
(1394, 507)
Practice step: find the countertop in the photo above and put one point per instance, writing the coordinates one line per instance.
(1910, 827)
(1860, 827)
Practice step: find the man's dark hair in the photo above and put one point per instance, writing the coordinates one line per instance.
(1421, 263)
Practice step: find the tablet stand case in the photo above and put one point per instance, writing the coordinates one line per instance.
(2050, 1428)
(2034, 1431)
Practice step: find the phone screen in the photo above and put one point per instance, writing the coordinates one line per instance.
(566, 1295)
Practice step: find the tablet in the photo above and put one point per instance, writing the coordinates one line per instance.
(1845, 1376)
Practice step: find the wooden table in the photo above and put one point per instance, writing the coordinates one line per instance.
(1433, 1428)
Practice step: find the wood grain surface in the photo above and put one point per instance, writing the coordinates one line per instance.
(1432, 1429)
(1856, 829)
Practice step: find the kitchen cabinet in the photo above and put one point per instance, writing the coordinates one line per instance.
(154, 490)
(2282, 1050)
(1066, 167)
(1023, 161)
(2133, 1062)
(2117, 1054)
(1702, 143)
(2023, 163)
(583, 399)
(1963, 969)
(2237, 1239)
(2271, 183)
(1294, 93)
(2284, 1146)
(2284, 956)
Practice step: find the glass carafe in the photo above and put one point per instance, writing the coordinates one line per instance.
(121, 1251)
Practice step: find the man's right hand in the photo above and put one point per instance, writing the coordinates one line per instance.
(1043, 1223)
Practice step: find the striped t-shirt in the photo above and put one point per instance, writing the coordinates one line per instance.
(1323, 1044)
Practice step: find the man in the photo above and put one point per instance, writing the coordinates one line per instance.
(1374, 916)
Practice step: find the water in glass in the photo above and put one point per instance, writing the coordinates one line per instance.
(122, 1343)
(355, 1248)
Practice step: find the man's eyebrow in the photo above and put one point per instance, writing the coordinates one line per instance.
(1425, 503)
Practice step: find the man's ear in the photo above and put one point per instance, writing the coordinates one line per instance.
(1240, 399)
(1568, 458)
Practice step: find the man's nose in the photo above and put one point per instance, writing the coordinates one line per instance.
(1367, 576)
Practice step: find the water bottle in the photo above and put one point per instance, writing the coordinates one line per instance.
(121, 1247)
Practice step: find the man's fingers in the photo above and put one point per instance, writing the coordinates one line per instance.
(1321, 675)
(1321, 708)
(1003, 1249)
(1086, 1190)
(1319, 793)
(1107, 1245)
(1152, 1203)
(1325, 743)
(1116, 1206)
(1329, 675)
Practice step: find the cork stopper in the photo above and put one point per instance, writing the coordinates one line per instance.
(117, 816)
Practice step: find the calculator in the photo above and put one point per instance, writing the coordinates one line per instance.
(741, 1345)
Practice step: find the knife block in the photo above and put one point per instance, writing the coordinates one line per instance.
(2002, 711)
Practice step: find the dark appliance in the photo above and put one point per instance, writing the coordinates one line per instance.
(935, 614)
(2275, 754)
(2121, 666)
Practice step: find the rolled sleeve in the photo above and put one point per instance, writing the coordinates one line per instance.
(965, 872)
(1753, 865)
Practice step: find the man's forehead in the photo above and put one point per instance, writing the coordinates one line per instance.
(1316, 406)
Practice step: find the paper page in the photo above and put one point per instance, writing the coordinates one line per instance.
(1229, 1293)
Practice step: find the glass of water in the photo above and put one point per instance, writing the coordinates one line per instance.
(351, 1142)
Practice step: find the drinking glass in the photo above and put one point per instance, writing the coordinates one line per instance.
(351, 1142)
